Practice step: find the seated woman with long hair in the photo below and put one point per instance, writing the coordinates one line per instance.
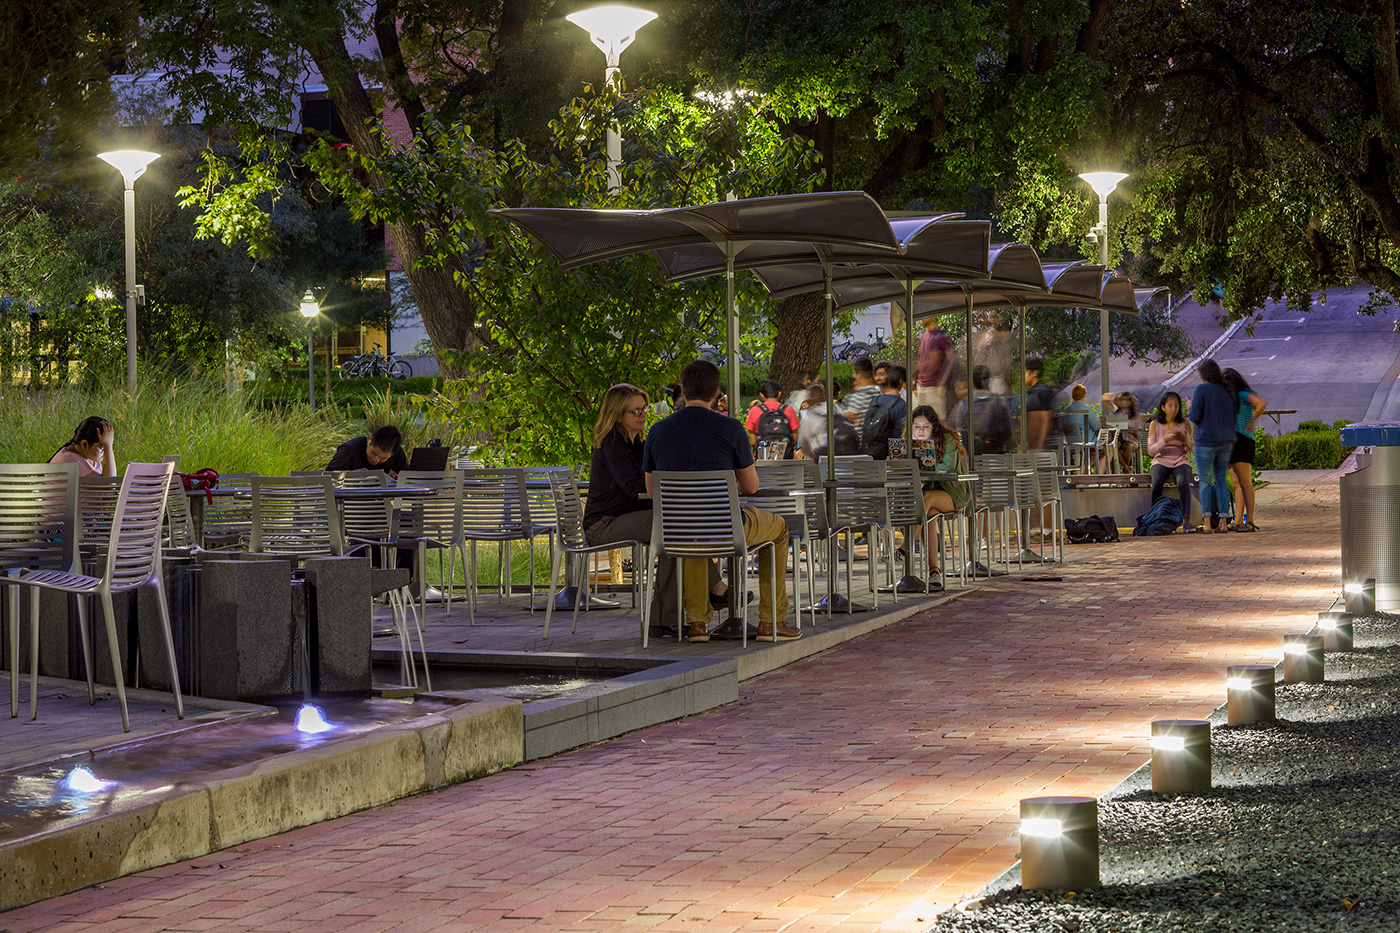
(91, 448)
(941, 495)
(615, 510)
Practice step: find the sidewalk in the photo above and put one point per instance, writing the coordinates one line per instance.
(866, 787)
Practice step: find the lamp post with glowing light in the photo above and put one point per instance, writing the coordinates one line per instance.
(612, 27)
(132, 164)
(310, 308)
(1103, 184)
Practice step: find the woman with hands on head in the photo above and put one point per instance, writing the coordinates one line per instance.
(91, 447)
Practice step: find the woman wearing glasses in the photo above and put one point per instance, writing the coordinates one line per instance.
(90, 448)
(615, 510)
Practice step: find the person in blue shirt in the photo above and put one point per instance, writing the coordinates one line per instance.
(1213, 412)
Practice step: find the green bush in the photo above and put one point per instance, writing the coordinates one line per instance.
(272, 393)
(1314, 446)
(200, 420)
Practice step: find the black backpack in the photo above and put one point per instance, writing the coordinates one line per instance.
(877, 429)
(1162, 518)
(1091, 530)
(773, 427)
(847, 441)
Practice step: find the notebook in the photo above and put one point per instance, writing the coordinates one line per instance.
(923, 453)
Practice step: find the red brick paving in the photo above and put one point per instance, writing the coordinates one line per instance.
(860, 789)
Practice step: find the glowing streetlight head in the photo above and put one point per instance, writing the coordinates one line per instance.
(309, 306)
(1169, 743)
(130, 162)
(1042, 827)
(1103, 183)
(1238, 683)
(311, 720)
(612, 26)
(83, 781)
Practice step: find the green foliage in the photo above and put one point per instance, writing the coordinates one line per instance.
(289, 388)
(200, 420)
(1314, 446)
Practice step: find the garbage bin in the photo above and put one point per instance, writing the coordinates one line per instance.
(1371, 510)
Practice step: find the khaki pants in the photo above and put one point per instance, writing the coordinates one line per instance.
(636, 526)
(936, 397)
(759, 527)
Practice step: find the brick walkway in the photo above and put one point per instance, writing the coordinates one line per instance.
(863, 788)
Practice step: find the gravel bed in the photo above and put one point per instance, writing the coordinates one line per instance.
(1301, 833)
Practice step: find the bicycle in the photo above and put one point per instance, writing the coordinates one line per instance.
(375, 363)
(854, 349)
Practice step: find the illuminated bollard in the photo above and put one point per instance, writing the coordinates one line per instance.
(1336, 628)
(1060, 843)
(1360, 596)
(1302, 659)
(1180, 756)
(1249, 695)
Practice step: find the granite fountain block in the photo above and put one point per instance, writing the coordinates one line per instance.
(249, 646)
(341, 597)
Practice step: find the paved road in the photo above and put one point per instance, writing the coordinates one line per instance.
(1328, 363)
(859, 789)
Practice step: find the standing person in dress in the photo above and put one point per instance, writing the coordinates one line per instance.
(614, 510)
(1169, 442)
(1251, 406)
(91, 448)
(1213, 412)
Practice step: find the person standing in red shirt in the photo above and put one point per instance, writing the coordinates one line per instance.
(935, 365)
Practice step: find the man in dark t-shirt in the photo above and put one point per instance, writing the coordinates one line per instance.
(1040, 406)
(381, 450)
(697, 439)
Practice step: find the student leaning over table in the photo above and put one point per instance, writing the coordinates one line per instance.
(614, 510)
(696, 439)
(91, 447)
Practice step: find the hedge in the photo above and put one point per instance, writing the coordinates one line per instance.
(1314, 446)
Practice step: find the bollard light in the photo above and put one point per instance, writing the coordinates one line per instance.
(1360, 596)
(1249, 696)
(1180, 756)
(1060, 843)
(1302, 659)
(1336, 629)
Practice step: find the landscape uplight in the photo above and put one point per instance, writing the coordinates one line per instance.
(1337, 630)
(132, 163)
(1180, 756)
(1303, 659)
(82, 780)
(1060, 843)
(612, 27)
(1250, 697)
(311, 720)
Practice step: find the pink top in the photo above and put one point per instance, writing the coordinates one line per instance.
(86, 467)
(1170, 444)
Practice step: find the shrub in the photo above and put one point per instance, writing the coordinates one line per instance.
(1314, 446)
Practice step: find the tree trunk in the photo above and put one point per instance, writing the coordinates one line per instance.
(447, 311)
(800, 322)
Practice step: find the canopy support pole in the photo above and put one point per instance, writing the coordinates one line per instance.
(967, 370)
(830, 386)
(1021, 332)
(909, 379)
(731, 323)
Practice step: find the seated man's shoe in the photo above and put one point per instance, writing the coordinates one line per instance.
(722, 600)
(697, 632)
(661, 631)
(785, 633)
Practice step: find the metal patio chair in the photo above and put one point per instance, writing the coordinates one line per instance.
(568, 509)
(495, 508)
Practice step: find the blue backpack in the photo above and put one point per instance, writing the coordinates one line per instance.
(1162, 518)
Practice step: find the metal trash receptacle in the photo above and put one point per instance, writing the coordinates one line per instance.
(1371, 510)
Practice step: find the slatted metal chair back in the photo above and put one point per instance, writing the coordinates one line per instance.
(295, 516)
(541, 499)
(495, 506)
(568, 509)
(861, 505)
(39, 516)
(437, 517)
(998, 491)
(179, 522)
(229, 516)
(1047, 474)
(904, 493)
(696, 514)
(1026, 488)
(133, 549)
(795, 510)
(817, 515)
(369, 519)
(98, 497)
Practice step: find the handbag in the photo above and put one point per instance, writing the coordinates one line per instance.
(205, 479)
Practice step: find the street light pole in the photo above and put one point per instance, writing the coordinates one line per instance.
(132, 164)
(612, 27)
(1103, 184)
(309, 310)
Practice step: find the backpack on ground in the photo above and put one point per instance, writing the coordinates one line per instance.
(1091, 530)
(1162, 518)
(877, 429)
(774, 427)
